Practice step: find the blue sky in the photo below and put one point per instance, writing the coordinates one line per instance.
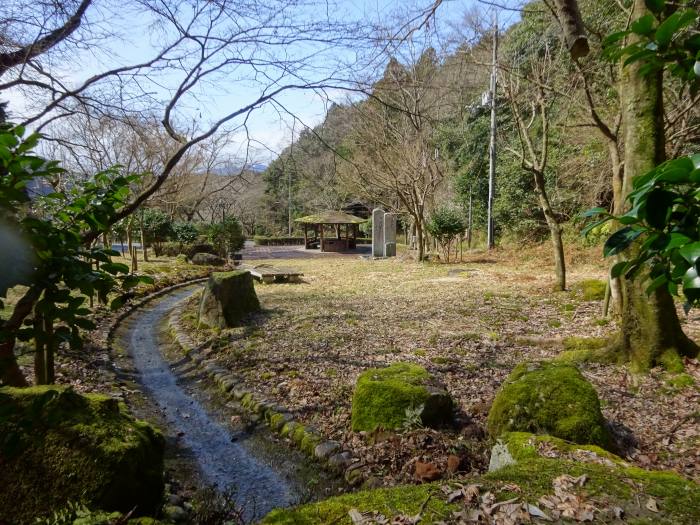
(270, 127)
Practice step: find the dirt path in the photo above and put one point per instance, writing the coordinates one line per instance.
(223, 459)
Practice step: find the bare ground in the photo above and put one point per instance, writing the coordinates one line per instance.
(468, 323)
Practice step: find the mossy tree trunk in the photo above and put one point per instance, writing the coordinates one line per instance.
(650, 328)
(39, 353)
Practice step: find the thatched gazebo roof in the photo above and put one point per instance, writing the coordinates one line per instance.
(331, 217)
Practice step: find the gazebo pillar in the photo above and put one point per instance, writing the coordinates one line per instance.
(306, 236)
(320, 242)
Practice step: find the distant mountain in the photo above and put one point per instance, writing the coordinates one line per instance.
(231, 168)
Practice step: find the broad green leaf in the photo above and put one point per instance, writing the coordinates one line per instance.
(594, 212)
(691, 280)
(656, 283)
(644, 25)
(592, 226)
(618, 269)
(614, 37)
(117, 302)
(690, 252)
(620, 240)
(695, 158)
(677, 240)
(674, 175)
(658, 208)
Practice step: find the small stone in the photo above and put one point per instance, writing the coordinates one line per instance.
(372, 482)
(340, 460)
(354, 476)
(238, 393)
(325, 449)
(174, 499)
(500, 457)
(175, 513)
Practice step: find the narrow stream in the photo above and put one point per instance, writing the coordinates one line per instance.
(223, 460)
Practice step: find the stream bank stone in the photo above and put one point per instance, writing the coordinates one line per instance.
(383, 396)
(549, 398)
(227, 298)
(58, 446)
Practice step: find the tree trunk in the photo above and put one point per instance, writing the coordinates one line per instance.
(143, 245)
(554, 230)
(650, 328)
(39, 352)
(132, 250)
(10, 372)
(419, 240)
(50, 351)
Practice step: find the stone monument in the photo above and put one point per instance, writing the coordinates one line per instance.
(389, 235)
(378, 232)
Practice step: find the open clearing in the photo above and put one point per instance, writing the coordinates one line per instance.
(468, 323)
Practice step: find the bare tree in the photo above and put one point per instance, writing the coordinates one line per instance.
(528, 93)
(277, 46)
(395, 161)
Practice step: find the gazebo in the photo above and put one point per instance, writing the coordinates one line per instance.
(336, 242)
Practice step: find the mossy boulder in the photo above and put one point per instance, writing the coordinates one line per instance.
(383, 395)
(539, 460)
(227, 298)
(58, 446)
(549, 398)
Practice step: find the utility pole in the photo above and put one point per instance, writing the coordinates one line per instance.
(490, 243)
(289, 183)
(469, 221)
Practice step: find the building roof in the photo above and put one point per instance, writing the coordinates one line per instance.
(331, 217)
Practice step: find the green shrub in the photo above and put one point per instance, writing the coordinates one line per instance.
(262, 240)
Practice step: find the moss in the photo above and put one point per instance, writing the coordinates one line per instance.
(680, 381)
(276, 421)
(592, 289)
(85, 447)
(309, 442)
(679, 499)
(404, 499)
(584, 350)
(549, 398)
(382, 396)
(298, 434)
(288, 429)
(672, 361)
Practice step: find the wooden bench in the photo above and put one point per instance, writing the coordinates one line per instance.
(270, 274)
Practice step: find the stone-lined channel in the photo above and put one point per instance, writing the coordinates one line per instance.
(224, 458)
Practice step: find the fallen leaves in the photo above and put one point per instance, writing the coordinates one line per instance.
(565, 503)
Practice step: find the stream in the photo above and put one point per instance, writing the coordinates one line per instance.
(224, 458)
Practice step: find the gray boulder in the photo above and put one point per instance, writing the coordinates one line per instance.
(207, 259)
(227, 298)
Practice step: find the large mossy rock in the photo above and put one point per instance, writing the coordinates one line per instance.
(227, 298)
(549, 398)
(382, 396)
(539, 461)
(58, 446)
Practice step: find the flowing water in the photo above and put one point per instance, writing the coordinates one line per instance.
(224, 459)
